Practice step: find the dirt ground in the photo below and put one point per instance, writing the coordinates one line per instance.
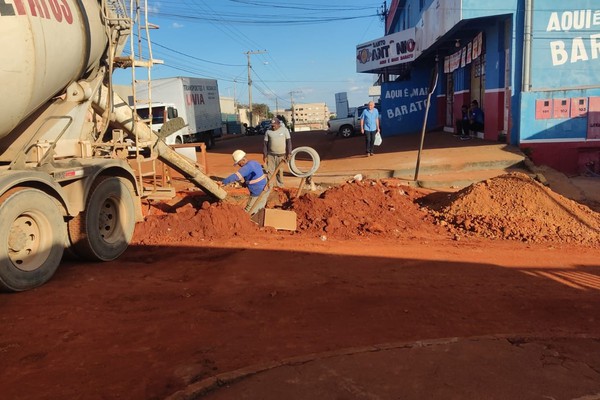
(202, 290)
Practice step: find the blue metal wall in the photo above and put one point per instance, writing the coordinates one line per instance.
(403, 103)
(565, 65)
(482, 8)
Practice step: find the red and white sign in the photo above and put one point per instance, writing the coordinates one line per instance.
(543, 109)
(394, 49)
(579, 107)
(562, 108)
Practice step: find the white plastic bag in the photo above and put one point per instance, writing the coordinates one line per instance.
(378, 139)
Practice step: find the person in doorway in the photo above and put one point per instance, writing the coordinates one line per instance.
(462, 125)
(253, 177)
(277, 148)
(476, 119)
(369, 126)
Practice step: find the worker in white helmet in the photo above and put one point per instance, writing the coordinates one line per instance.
(253, 177)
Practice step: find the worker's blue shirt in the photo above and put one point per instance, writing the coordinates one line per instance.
(249, 173)
(477, 115)
(370, 118)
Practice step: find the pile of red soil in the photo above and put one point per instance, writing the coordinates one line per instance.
(367, 208)
(516, 207)
(186, 223)
(511, 206)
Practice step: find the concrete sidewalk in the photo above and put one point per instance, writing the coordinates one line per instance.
(493, 367)
(446, 162)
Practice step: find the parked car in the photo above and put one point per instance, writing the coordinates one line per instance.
(349, 126)
(263, 126)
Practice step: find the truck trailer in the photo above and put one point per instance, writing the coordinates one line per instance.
(67, 180)
(196, 100)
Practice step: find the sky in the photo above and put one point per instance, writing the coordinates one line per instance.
(302, 50)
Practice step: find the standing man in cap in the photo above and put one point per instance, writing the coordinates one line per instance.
(253, 177)
(277, 148)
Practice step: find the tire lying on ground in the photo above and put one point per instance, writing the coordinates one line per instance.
(313, 155)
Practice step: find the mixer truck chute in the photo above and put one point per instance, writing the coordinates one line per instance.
(66, 179)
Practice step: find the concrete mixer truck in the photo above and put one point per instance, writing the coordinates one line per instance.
(67, 181)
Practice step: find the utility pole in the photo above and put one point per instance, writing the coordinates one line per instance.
(234, 94)
(293, 112)
(248, 53)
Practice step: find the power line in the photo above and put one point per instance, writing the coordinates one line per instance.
(273, 19)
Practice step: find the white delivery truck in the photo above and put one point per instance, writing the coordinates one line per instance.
(196, 100)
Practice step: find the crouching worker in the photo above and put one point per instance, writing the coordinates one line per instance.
(252, 176)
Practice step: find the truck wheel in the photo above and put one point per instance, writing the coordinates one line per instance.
(104, 229)
(208, 140)
(346, 131)
(31, 240)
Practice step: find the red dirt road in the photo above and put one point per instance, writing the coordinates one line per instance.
(190, 299)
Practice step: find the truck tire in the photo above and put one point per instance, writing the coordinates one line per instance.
(104, 229)
(31, 239)
(209, 140)
(346, 131)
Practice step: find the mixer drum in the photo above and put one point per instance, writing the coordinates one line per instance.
(44, 46)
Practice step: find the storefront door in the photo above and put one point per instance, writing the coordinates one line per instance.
(478, 80)
(450, 100)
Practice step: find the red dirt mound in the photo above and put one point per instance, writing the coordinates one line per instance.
(211, 221)
(516, 207)
(511, 206)
(367, 208)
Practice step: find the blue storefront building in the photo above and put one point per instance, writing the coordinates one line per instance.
(533, 66)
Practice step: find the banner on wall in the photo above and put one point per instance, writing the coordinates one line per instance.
(477, 45)
(465, 55)
(469, 52)
(397, 48)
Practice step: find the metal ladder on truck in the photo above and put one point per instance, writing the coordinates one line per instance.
(151, 153)
(141, 57)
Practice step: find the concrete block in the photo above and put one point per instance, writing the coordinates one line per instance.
(278, 219)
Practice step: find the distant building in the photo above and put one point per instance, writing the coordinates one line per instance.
(310, 116)
(341, 105)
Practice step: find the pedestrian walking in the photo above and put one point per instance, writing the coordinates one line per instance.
(369, 126)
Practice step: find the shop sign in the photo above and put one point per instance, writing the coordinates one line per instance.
(581, 48)
(397, 48)
(565, 47)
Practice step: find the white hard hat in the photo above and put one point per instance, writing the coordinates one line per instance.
(237, 156)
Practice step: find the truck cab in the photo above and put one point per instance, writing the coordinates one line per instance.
(161, 113)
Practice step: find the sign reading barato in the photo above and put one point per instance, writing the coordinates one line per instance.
(394, 49)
